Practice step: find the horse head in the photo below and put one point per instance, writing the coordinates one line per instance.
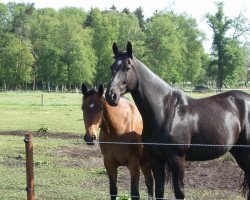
(123, 78)
(92, 108)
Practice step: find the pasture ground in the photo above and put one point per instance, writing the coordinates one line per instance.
(66, 168)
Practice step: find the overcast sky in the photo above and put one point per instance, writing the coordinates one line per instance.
(194, 8)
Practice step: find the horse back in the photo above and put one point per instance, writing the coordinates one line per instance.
(223, 109)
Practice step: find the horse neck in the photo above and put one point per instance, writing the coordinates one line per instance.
(150, 93)
(106, 124)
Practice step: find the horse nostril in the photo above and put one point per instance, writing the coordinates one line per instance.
(114, 97)
(89, 139)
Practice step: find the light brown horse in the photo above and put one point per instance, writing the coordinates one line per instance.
(121, 124)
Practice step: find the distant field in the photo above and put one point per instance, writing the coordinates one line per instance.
(60, 112)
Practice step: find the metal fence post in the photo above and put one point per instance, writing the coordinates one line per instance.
(29, 166)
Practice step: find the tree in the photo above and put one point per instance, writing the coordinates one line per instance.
(110, 27)
(174, 47)
(191, 68)
(15, 62)
(105, 31)
(4, 18)
(76, 50)
(139, 14)
(126, 11)
(226, 51)
(20, 13)
(43, 26)
(113, 8)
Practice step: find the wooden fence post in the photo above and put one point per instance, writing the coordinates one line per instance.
(29, 166)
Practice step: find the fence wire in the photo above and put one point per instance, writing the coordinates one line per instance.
(81, 141)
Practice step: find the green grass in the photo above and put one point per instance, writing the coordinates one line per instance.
(61, 112)
(23, 111)
(55, 176)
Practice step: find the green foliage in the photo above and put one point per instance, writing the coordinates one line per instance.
(76, 51)
(3, 16)
(174, 47)
(15, 62)
(46, 48)
(228, 54)
(235, 62)
(109, 27)
(43, 130)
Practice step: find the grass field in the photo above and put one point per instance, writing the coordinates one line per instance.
(23, 111)
(65, 168)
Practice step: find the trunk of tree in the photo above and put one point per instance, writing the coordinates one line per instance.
(69, 76)
(34, 83)
(49, 90)
(220, 66)
(4, 86)
(34, 77)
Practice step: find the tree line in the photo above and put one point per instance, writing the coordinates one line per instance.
(47, 48)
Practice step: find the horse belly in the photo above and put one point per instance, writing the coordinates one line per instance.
(214, 140)
(202, 153)
(122, 154)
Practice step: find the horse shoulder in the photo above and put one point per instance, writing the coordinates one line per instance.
(180, 119)
(134, 117)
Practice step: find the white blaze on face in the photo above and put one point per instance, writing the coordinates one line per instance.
(119, 62)
(91, 105)
(115, 77)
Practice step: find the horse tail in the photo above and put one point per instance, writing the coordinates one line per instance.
(244, 186)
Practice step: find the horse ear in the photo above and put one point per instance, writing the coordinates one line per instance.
(115, 49)
(84, 89)
(129, 50)
(101, 90)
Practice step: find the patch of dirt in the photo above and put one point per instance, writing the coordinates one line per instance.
(81, 156)
(62, 135)
(214, 174)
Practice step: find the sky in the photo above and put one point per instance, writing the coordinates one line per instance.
(194, 8)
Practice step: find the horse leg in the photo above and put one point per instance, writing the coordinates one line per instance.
(177, 164)
(158, 168)
(242, 157)
(112, 174)
(147, 172)
(134, 170)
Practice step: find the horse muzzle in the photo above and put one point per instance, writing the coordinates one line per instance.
(112, 98)
(89, 139)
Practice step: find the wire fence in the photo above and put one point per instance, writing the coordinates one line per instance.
(96, 142)
(58, 184)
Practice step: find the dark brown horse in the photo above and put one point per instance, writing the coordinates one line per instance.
(120, 124)
(171, 117)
